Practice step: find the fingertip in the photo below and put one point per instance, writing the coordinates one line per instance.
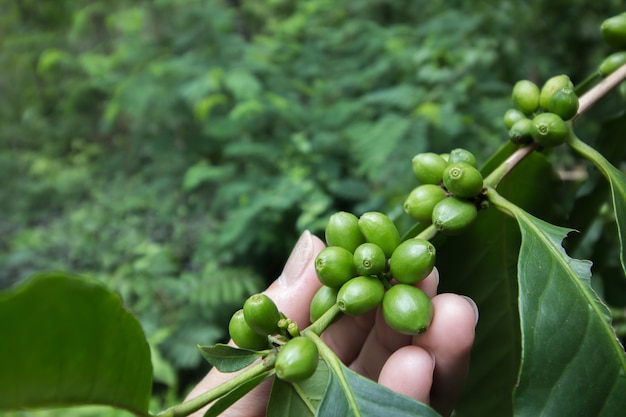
(409, 371)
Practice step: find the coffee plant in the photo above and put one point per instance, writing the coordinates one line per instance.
(492, 230)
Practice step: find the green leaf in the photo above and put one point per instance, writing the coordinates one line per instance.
(237, 393)
(572, 362)
(617, 181)
(300, 399)
(352, 395)
(481, 263)
(69, 341)
(227, 358)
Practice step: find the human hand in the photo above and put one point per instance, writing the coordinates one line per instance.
(431, 367)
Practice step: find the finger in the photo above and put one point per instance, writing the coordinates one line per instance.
(409, 371)
(382, 341)
(449, 339)
(292, 292)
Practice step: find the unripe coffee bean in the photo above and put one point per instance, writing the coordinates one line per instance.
(564, 103)
(526, 96)
(380, 230)
(297, 360)
(407, 309)
(613, 31)
(453, 215)
(551, 86)
(512, 116)
(462, 155)
(325, 297)
(412, 261)
(549, 130)
(421, 200)
(343, 230)
(243, 335)
(428, 167)
(369, 259)
(261, 314)
(521, 132)
(360, 295)
(612, 62)
(462, 180)
(334, 266)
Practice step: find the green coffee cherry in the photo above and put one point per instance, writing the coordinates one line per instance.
(612, 62)
(428, 167)
(360, 295)
(463, 180)
(261, 314)
(334, 266)
(297, 359)
(613, 31)
(512, 116)
(343, 230)
(551, 86)
(564, 103)
(444, 156)
(369, 259)
(462, 155)
(521, 132)
(380, 230)
(412, 261)
(526, 96)
(407, 309)
(421, 200)
(322, 301)
(452, 215)
(549, 130)
(243, 335)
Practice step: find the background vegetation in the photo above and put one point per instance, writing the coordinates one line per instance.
(175, 149)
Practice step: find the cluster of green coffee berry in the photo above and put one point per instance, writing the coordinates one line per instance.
(450, 191)
(260, 325)
(541, 115)
(366, 265)
(613, 32)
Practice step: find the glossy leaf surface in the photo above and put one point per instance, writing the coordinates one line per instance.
(69, 341)
(227, 358)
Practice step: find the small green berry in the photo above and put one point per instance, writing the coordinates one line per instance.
(343, 230)
(612, 62)
(380, 230)
(421, 200)
(462, 180)
(526, 96)
(613, 31)
(428, 167)
(549, 130)
(564, 103)
(521, 132)
(453, 215)
(360, 295)
(412, 261)
(325, 297)
(369, 259)
(551, 86)
(261, 314)
(407, 309)
(297, 359)
(334, 266)
(243, 335)
(462, 155)
(512, 116)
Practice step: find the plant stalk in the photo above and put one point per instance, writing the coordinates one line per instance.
(587, 100)
(196, 403)
(323, 322)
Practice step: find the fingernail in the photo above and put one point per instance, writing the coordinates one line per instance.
(474, 306)
(298, 260)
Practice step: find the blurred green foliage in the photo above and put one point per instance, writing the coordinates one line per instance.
(175, 149)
